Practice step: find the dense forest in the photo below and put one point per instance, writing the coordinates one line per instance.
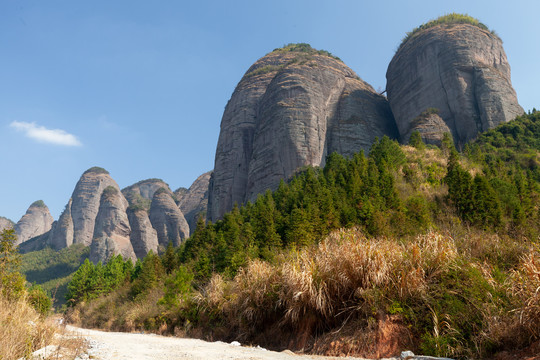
(441, 244)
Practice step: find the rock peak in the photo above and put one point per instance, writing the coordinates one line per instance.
(292, 108)
(35, 222)
(455, 65)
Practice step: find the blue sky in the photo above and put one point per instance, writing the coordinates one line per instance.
(139, 87)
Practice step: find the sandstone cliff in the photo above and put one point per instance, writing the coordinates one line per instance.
(35, 222)
(194, 201)
(111, 234)
(5, 223)
(292, 108)
(85, 203)
(167, 219)
(143, 235)
(460, 69)
(94, 216)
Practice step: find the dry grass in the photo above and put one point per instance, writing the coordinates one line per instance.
(345, 277)
(525, 287)
(116, 311)
(22, 331)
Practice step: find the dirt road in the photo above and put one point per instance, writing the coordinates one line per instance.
(132, 346)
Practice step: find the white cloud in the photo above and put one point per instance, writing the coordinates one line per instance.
(42, 134)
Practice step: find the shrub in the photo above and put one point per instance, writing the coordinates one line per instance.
(452, 18)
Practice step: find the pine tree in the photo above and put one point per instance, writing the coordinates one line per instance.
(11, 280)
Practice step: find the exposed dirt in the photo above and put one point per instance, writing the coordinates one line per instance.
(137, 346)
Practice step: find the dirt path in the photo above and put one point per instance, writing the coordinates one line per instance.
(132, 346)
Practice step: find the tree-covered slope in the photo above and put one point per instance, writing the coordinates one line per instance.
(439, 246)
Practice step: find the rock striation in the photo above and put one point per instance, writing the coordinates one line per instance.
(143, 236)
(35, 222)
(460, 69)
(194, 201)
(167, 219)
(292, 108)
(111, 235)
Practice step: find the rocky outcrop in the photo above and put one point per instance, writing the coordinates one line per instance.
(5, 223)
(143, 235)
(61, 234)
(430, 126)
(167, 219)
(85, 203)
(292, 108)
(458, 68)
(111, 235)
(141, 193)
(35, 222)
(194, 201)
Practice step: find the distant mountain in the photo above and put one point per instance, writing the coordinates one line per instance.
(36, 221)
(140, 218)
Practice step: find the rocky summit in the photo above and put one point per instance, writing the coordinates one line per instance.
(455, 65)
(292, 108)
(35, 222)
(5, 223)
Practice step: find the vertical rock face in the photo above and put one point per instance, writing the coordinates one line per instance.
(35, 222)
(458, 68)
(111, 234)
(167, 219)
(195, 200)
(61, 234)
(143, 235)
(292, 108)
(5, 223)
(85, 203)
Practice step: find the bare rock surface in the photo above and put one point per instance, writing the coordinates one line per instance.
(459, 69)
(111, 230)
(5, 223)
(143, 235)
(292, 108)
(85, 203)
(35, 222)
(167, 219)
(61, 234)
(194, 201)
(430, 126)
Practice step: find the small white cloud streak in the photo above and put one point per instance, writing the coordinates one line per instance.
(42, 134)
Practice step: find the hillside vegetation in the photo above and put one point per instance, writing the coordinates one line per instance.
(52, 269)
(416, 247)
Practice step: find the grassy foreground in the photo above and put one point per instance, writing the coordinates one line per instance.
(440, 295)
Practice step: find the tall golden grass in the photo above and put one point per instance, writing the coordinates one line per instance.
(362, 285)
(349, 276)
(22, 330)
